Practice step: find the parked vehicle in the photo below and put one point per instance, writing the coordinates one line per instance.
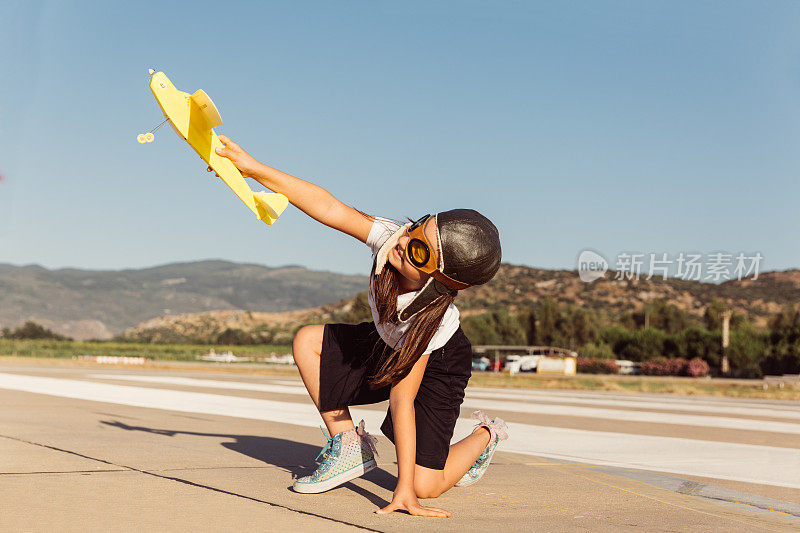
(522, 363)
(481, 364)
(627, 367)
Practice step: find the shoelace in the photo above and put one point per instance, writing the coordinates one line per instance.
(368, 439)
(496, 425)
(372, 442)
(327, 447)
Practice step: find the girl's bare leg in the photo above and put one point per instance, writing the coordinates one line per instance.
(307, 347)
(429, 483)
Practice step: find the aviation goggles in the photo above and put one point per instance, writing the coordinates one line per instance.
(420, 253)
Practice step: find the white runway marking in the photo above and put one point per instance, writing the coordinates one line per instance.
(640, 396)
(647, 399)
(740, 462)
(639, 416)
(473, 402)
(294, 388)
(709, 404)
(633, 402)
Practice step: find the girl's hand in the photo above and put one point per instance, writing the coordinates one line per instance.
(409, 502)
(246, 163)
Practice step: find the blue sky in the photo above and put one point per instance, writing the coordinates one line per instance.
(616, 126)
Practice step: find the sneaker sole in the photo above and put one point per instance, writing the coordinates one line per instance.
(335, 481)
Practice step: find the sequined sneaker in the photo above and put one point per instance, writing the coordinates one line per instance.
(498, 431)
(346, 455)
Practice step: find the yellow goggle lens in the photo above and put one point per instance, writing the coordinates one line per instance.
(418, 252)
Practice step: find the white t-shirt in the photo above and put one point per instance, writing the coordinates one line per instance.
(392, 334)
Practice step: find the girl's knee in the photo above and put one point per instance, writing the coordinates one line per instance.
(426, 491)
(308, 339)
(428, 484)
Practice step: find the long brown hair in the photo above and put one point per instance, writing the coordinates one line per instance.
(385, 289)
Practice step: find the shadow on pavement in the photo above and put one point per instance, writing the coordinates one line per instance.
(287, 455)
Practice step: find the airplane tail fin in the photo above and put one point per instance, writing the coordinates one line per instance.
(270, 205)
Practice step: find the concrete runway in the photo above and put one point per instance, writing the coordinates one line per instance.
(98, 447)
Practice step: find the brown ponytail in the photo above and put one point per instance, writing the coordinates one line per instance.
(385, 289)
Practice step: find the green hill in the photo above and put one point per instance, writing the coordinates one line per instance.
(515, 289)
(202, 299)
(97, 304)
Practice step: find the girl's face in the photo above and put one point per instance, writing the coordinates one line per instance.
(412, 278)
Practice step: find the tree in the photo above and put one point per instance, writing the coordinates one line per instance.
(32, 330)
(746, 351)
(497, 327)
(615, 336)
(581, 326)
(550, 323)
(784, 338)
(553, 325)
(713, 316)
(508, 328)
(359, 311)
(234, 336)
(480, 330)
(527, 321)
(659, 314)
(644, 344)
(696, 341)
(599, 350)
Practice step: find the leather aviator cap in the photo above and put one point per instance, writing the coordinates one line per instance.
(470, 252)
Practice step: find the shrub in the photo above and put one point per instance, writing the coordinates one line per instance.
(784, 336)
(591, 365)
(644, 344)
(480, 330)
(615, 336)
(598, 350)
(661, 366)
(32, 330)
(697, 368)
(746, 350)
(234, 336)
(662, 315)
(695, 341)
(497, 327)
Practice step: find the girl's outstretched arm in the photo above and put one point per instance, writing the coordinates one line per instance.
(401, 404)
(312, 199)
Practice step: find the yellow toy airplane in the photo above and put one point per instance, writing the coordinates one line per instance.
(193, 117)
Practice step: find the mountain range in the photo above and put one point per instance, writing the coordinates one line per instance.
(515, 288)
(97, 304)
(206, 297)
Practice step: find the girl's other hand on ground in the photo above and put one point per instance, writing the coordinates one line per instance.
(246, 163)
(410, 503)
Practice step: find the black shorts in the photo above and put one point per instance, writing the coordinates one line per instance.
(352, 353)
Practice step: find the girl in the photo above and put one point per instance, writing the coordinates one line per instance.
(414, 353)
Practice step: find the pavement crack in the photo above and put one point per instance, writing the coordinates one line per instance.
(190, 483)
(251, 498)
(64, 451)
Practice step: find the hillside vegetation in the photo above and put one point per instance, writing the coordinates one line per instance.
(516, 290)
(658, 322)
(85, 304)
